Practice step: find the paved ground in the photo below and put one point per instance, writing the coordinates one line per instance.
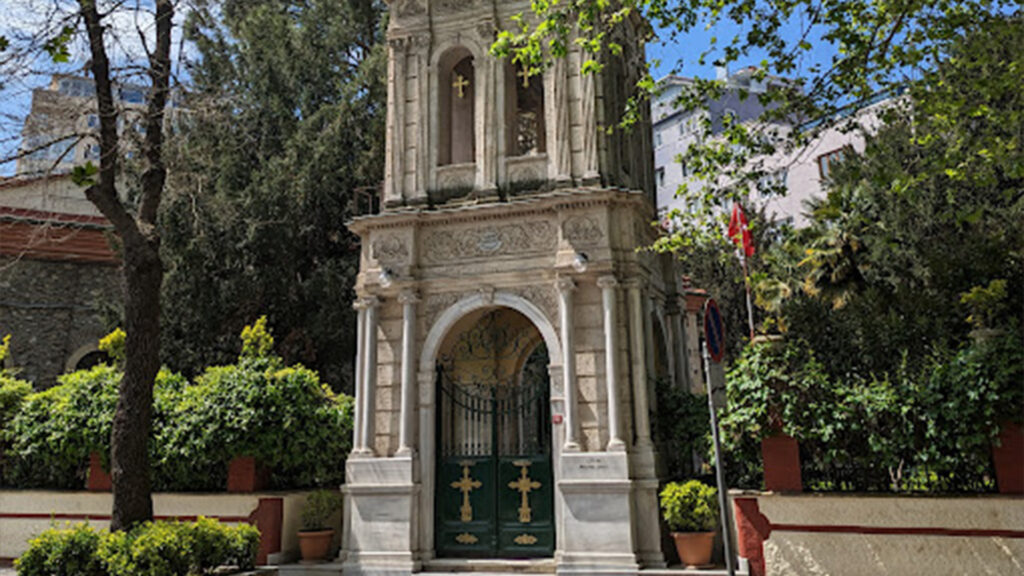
(6, 571)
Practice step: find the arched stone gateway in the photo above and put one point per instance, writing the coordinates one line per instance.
(506, 340)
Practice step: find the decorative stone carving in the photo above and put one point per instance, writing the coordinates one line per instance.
(543, 297)
(435, 304)
(410, 9)
(582, 230)
(519, 238)
(390, 249)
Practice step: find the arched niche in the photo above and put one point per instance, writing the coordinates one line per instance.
(457, 80)
(524, 112)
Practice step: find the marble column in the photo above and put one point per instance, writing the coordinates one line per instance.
(408, 299)
(638, 333)
(565, 308)
(609, 296)
(369, 415)
(357, 431)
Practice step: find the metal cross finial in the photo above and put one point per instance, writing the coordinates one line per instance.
(466, 484)
(524, 485)
(460, 84)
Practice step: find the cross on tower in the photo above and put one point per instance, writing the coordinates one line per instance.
(466, 484)
(460, 84)
(524, 485)
(525, 75)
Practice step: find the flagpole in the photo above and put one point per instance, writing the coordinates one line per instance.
(746, 283)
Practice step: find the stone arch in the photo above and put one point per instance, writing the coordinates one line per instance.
(80, 353)
(447, 319)
(525, 125)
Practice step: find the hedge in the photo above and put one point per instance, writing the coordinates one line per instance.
(924, 430)
(283, 416)
(151, 549)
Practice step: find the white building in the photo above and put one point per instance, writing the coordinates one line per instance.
(801, 172)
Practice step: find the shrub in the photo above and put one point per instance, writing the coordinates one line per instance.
(689, 507)
(319, 507)
(284, 417)
(151, 549)
(681, 427)
(928, 428)
(12, 393)
(67, 552)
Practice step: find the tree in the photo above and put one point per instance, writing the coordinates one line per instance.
(133, 216)
(287, 102)
(875, 47)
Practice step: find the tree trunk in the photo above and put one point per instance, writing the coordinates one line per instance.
(129, 443)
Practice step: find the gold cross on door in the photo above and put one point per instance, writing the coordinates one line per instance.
(466, 484)
(524, 485)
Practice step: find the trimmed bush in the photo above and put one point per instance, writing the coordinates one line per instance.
(67, 552)
(152, 549)
(689, 507)
(282, 416)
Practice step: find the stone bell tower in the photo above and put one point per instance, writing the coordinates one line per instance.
(509, 333)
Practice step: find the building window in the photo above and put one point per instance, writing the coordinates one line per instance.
(526, 112)
(93, 121)
(456, 108)
(659, 173)
(827, 161)
(657, 139)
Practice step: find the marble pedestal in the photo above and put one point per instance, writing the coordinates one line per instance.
(381, 516)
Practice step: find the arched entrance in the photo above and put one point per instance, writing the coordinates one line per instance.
(494, 490)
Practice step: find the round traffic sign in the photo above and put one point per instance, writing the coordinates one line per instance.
(714, 332)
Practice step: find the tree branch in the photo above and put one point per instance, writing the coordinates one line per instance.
(159, 73)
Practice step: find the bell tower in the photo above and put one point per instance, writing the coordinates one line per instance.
(464, 126)
(510, 213)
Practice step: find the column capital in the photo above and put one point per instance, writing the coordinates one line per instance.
(565, 284)
(605, 282)
(408, 296)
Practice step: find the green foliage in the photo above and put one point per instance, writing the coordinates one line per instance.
(286, 122)
(320, 506)
(915, 429)
(114, 345)
(51, 436)
(68, 552)
(151, 549)
(283, 416)
(12, 393)
(681, 428)
(256, 340)
(987, 303)
(689, 507)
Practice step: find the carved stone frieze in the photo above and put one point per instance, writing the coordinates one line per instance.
(582, 230)
(390, 249)
(489, 240)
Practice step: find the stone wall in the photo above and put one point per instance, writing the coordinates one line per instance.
(54, 313)
(854, 534)
(26, 513)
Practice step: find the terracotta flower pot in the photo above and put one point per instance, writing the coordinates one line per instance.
(694, 548)
(315, 545)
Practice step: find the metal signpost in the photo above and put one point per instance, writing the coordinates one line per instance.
(714, 351)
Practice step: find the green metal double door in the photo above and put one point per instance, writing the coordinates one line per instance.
(495, 492)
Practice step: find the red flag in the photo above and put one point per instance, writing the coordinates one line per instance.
(738, 229)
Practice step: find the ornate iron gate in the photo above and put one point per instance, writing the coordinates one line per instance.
(494, 481)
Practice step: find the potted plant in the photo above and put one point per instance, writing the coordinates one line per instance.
(316, 535)
(691, 512)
